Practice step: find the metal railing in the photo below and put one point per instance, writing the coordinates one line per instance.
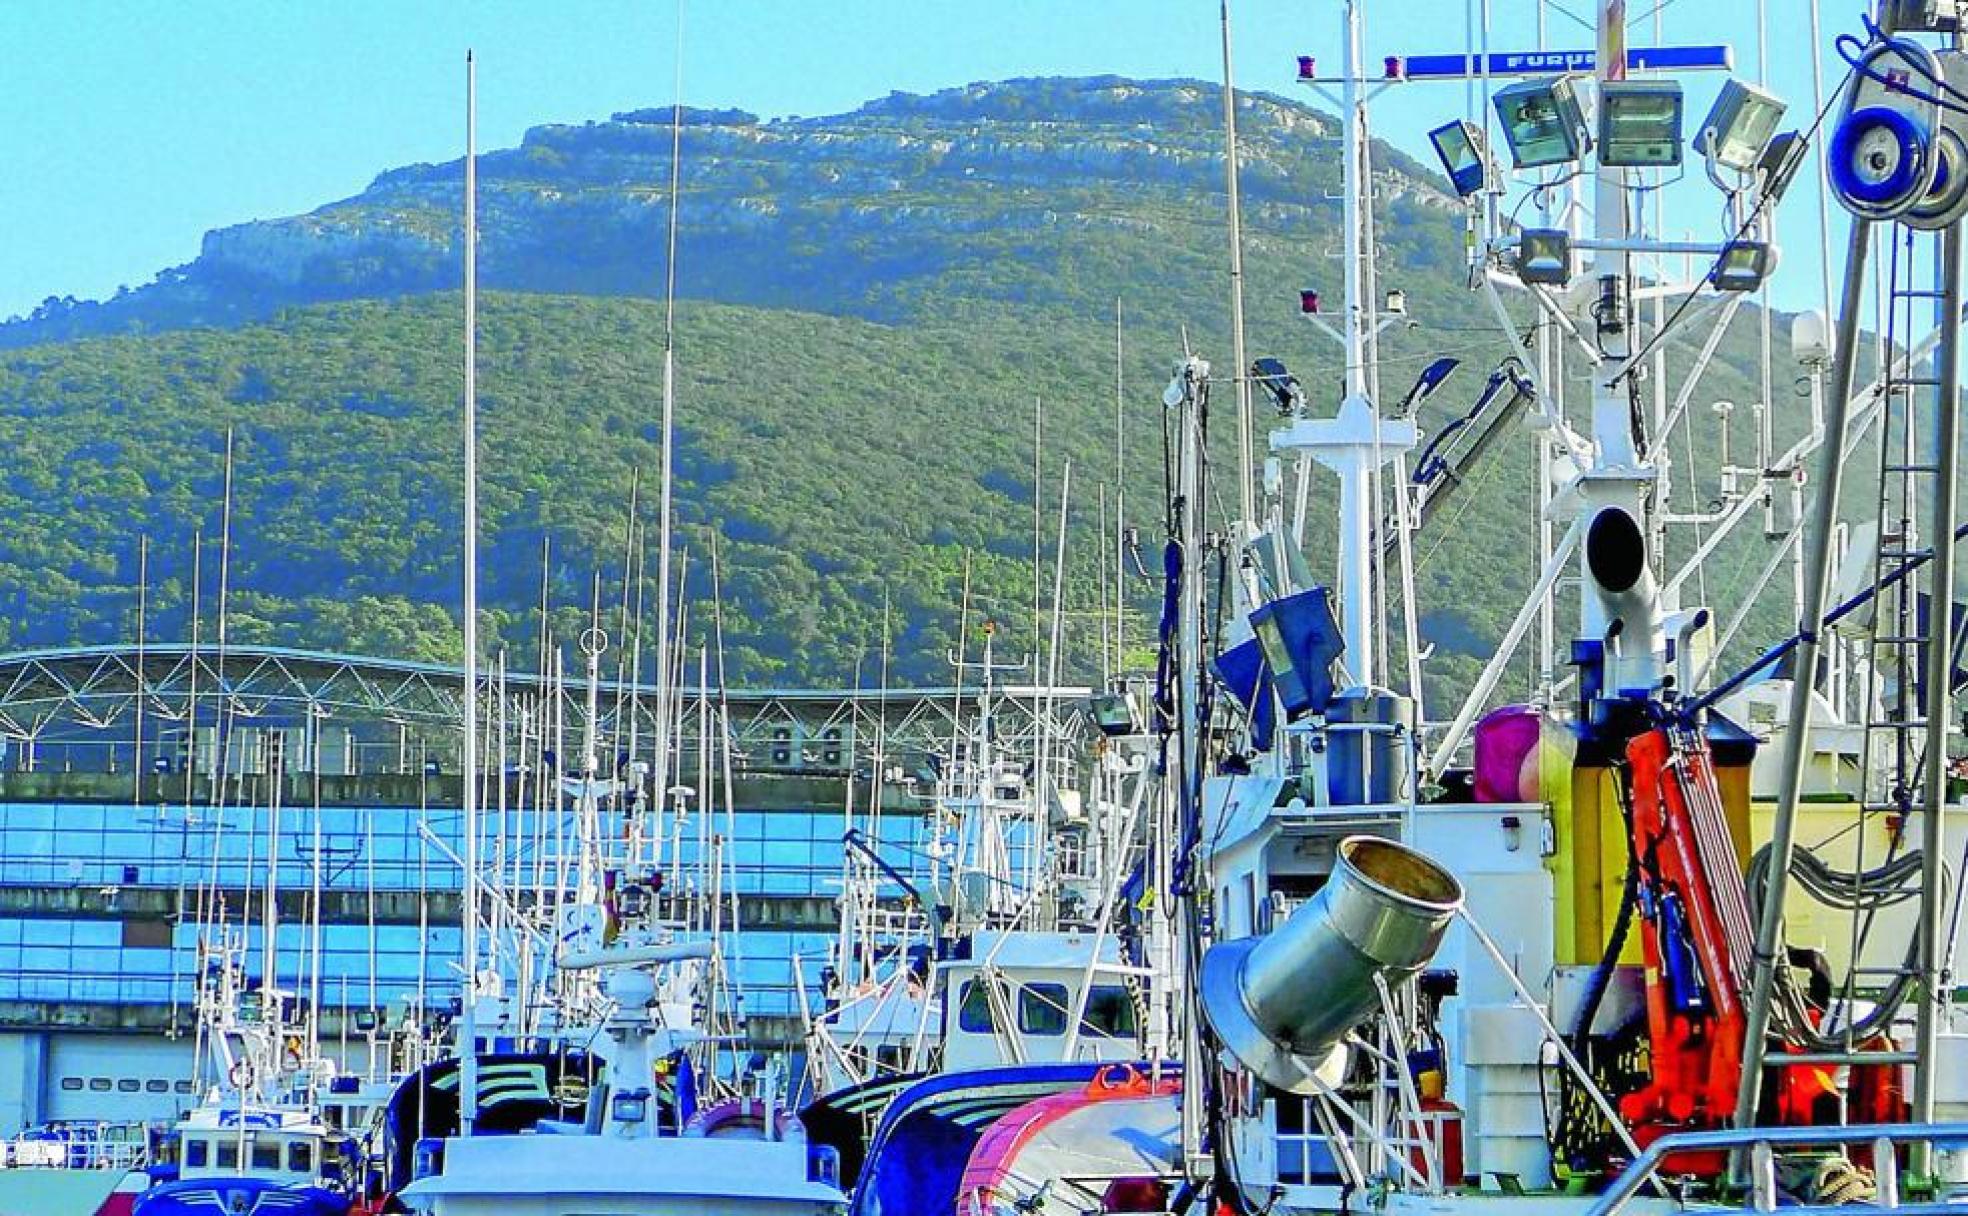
(1762, 1142)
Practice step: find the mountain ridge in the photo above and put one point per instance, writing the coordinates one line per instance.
(579, 207)
(875, 305)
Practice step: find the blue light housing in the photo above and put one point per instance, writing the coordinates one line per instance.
(1464, 152)
(1301, 643)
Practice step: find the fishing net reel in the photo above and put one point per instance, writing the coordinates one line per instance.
(1899, 151)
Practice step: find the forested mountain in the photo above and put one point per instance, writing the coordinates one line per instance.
(874, 305)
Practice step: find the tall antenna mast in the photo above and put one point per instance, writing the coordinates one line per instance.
(468, 1015)
(662, 741)
(1246, 500)
(143, 602)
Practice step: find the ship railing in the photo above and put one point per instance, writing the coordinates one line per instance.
(1761, 1145)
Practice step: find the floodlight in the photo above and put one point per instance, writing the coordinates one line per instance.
(1639, 124)
(1431, 378)
(1397, 303)
(1544, 255)
(1465, 155)
(1301, 642)
(1273, 377)
(1542, 122)
(631, 1106)
(1743, 266)
(1115, 715)
(1739, 126)
(1779, 163)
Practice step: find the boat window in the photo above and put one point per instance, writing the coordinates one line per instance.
(1042, 1009)
(227, 1152)
(157, 1086)
(71, 1083)
(99, 1085)
(266, 1154)
(196, 1154)
(300, 1157)
(1110, 1011)
(127, 1085)
(974, 1011)
(183, 1087)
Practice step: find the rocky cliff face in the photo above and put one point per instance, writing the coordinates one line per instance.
(981, 192)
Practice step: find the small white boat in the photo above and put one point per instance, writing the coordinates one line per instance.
(636, 1154)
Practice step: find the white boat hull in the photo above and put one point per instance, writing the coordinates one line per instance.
(546, 1175)
(55, 1192)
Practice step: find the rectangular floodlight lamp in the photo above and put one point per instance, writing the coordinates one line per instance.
(1541, 121)
(1780, 162)
(1739, 125)
(1114, 714)
(1743, 266)
(1544, 255)
(1465, 155)
(1639, 124)
(1300, 640)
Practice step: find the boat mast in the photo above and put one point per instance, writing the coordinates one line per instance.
(1246, 501)
(661, 784)
(468, 1017)
(1357, 441)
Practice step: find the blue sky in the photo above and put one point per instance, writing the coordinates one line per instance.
(131, 127)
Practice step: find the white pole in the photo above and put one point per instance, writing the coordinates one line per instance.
(1246, 500)
(662, 740)
(1355, 319)
(468, 1019)
(1355, 482)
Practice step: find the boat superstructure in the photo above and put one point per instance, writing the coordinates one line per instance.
(1611, 991)
(258, 1142)
(1011, 942)
(1535, 955)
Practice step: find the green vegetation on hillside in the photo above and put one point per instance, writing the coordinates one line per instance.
(899, 286)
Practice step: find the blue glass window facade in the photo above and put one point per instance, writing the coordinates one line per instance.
(94, 936)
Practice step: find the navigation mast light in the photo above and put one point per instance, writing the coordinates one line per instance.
(1640, 124)
(1542, 122)
(1739, 126)
(1465, 155)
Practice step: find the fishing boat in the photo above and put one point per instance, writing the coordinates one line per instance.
(1004, 948)
(1556, 954)
(648, 1142)
(75, 1169)
(258, 1142)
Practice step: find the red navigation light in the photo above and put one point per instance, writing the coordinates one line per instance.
(1308, 67)
(1396, 67)
(1308, 301)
